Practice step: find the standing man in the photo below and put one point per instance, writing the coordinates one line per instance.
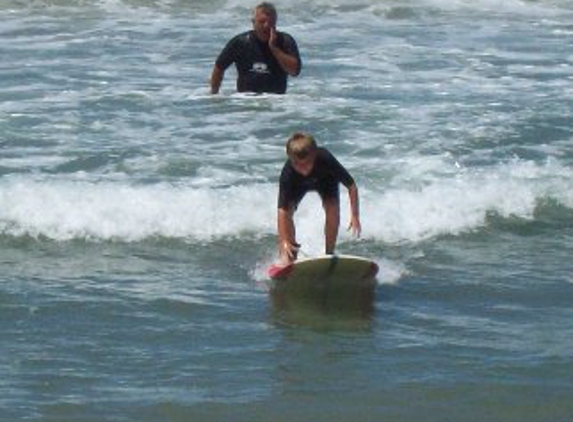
(263, 56)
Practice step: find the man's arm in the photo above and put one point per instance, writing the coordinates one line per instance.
(216, 79)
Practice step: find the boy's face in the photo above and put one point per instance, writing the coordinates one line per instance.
(304, 165)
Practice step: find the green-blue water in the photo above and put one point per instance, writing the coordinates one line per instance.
(137, 213)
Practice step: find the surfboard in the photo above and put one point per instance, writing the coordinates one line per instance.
(341, 279)
(343, 268)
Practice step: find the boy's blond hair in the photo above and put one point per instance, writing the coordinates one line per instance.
(300, 145)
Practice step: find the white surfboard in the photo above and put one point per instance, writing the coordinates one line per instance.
(326, 275)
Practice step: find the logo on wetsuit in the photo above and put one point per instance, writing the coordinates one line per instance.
(260, 68)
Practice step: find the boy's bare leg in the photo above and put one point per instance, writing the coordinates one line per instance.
(331, 223)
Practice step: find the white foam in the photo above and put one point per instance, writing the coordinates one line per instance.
(391, 272)
(462, 203)
(64, 210)
(445, 204)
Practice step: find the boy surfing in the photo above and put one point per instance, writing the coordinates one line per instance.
(311, 168)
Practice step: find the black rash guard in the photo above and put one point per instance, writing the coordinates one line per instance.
(258, 70)
(324, 178)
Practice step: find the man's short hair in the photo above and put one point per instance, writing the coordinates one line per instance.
(300, 145)
(267, 8)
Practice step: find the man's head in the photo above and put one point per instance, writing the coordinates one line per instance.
(301, 150)
(264, 18)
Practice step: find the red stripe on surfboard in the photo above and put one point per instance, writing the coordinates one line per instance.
(278, 271)
(372, 270)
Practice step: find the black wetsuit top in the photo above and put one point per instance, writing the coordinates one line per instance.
(258, 70)
(324, 178)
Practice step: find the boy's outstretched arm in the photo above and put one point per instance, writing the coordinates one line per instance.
(288, 247)
(354, 225)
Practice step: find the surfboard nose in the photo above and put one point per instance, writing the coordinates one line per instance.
(279, 271)
(372, 270)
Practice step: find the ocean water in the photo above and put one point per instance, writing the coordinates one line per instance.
(137, 213)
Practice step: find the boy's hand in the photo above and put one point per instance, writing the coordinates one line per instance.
(355, 226)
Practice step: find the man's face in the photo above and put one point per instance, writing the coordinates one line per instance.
(262, 24)
(305, 165)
